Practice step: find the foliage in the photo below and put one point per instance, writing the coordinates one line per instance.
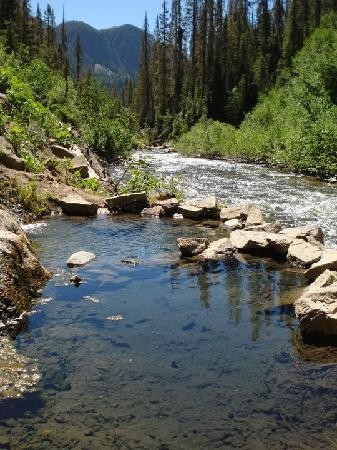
(27, 195)
(89, 184)
(294, 125)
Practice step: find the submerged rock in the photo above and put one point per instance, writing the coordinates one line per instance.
(192, 246)
(316, 308)
(80, 259)
(128, 203)
(75, 205)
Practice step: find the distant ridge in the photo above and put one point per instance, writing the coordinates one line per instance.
(113, 53)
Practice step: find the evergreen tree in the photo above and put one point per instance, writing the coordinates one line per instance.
(78, 58)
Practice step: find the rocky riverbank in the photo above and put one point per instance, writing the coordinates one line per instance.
(21, 274)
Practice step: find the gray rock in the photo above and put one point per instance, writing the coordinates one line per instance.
(316, 308)
(218, 250)
(169, 205)
(271, 243)
(61, 152)
(128, 203)
(8, 158)
(327, 261)
(191, 212)
(303, 254)
(267, 227)
(234, 224)
(80, 164)
(75, 205)
(155, 211)
(80, 259)
(191, 247)
(312, 234)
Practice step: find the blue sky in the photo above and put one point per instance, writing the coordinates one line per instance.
(104, 13)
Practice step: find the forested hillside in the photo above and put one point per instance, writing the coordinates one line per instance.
(113, 54)
(212, 60)
(45, 95)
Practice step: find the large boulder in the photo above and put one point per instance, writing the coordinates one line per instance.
(192, 246)
(21, 274)
(327, 261)
(218, 250)
(303, 254)
(191, 212)
(316, 308)
(312, 234)
(252, 241)
(128, 203)
(250, 215)
(210, 206)
(80, 259)
(170, 205)
(8, 158)
(62, 152)
(75, 205)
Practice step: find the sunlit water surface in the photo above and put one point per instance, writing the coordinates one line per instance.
(169, 356)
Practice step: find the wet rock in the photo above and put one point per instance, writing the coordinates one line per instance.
(312, 234)
(234, 224)
(103, 212)
(80, 259)
(128, 203)
(75, 205)
(218, 250)
(327, 261)
(62, 152)
(270, 243)
(21, 274)
(80, 164)
(8, 158)
(170, 205)
(211, 223)
(191, 247)
(155, 211)
(130, 262)
(316, 309)
(303, 254)
(178, 216)
(76, 280)
(189, 211)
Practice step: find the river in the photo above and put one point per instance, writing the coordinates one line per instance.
(164, 355)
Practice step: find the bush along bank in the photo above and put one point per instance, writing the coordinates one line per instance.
(294, 126)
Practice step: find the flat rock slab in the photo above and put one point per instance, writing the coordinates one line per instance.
(211, 207)
(191, 212)
(75, 205)
(267, 227)
(191, 247)
(270, 243)
(80, 259)
(128, 203)
(327, 261)
(169, 205)
(311, 233)
(316, 309)
(303, 254)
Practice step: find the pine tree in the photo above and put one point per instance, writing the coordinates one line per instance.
(78, 58)
(263, 30)
(63, 47)
(144, 98)
(177, 59)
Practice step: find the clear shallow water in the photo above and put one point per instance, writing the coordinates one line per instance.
(288, 198)
(169, 356)
(164, 356)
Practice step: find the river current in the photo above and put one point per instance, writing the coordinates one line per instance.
(164, 355)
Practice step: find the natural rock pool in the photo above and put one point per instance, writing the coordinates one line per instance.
(168, 356)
